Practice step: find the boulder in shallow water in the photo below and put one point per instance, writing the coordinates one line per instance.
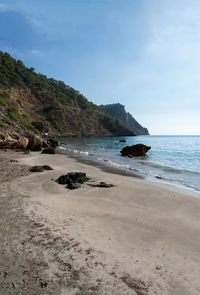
(136, 150)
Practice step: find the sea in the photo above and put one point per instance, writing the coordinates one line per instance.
(174, 160)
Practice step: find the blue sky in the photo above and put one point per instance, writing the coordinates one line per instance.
(141, 53)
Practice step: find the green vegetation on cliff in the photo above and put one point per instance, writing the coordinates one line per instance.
(31, 101)
(117, 111)
(13, 73)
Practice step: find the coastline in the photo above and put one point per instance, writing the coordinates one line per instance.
(172, 160)
(134, 237)
(127, 172)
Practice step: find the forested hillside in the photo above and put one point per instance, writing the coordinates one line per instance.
(32, 102)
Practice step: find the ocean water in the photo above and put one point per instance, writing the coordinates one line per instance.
(172, 159)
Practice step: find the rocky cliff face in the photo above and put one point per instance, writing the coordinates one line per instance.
(33, 102)
(22, 111)
(118, 111)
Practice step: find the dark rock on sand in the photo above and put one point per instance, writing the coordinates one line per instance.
(135, 150)
(47, 167)
(72, 178)
(40, 168)
(101, 184)
(75, 179)
(49, 150)
(37, 169)
(73, 185)
(79, 177)
(63, 179)
(13, 161)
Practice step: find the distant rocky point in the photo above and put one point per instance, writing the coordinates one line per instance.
(117, 111)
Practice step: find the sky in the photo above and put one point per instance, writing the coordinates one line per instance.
(143, 54)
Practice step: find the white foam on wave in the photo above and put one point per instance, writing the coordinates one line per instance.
(74, 150)
(120, 166)
(61, 148)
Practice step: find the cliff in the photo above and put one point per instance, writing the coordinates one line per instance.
(118, 111)
(33, 102)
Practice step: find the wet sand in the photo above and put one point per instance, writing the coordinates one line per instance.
(134, 238)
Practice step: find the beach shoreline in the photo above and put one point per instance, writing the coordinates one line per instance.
(134, 238)
(103, 166)
(172, 160)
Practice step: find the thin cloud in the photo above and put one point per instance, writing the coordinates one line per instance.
(36, 24)
(36, 52)
(3, 7)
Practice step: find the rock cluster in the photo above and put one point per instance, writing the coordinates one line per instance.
(31, 142)
(13, 141)
(73, 179)
(136, 150)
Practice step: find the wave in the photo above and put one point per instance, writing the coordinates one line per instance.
(96, 158)
(115, 164)
(161, 172)
(63, 148)
(169, 169)
(144, 163)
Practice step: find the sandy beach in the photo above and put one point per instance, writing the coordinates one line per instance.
(137, 237)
